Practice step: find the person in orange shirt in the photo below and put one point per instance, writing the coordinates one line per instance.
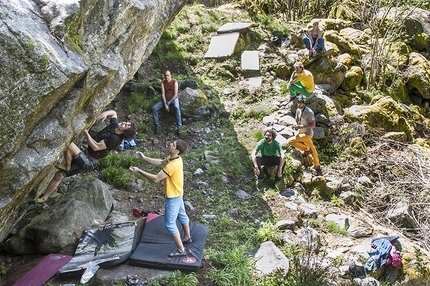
(173, 174)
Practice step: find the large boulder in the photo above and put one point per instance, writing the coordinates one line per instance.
(194, 104)
(51, 231)
(62, 63)
(418, 75)
(385, 113)
(352, 79)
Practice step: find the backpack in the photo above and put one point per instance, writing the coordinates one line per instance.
(128, 144)
(188, 83)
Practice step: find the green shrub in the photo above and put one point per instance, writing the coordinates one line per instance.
(117, 177)
(177, 278)
(233, 267)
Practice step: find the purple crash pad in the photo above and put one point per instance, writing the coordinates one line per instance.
(44, 270)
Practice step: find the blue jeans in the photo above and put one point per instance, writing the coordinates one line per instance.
(175, 210)
(159, 105)
(319, 44)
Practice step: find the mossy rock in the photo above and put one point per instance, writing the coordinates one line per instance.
(346, 11)
(384, 113)
(353, 78)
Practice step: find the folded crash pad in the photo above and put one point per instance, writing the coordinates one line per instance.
(156, 244)
(105, 246)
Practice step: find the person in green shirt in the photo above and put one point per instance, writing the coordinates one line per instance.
(270, 154)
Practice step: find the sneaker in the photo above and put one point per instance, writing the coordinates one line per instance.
(61, 167)
(157, 129)
(177, 253)
(188, 241)
(36, 201)
(318, 170)
(307, 153)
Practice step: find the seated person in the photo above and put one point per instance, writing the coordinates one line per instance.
(305, 122)
(314, 41)
(169, 97)
(301, 82)
(271, 155)
(103, 142)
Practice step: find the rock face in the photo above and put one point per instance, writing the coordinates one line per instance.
(62, 63)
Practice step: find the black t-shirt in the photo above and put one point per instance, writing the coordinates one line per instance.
(111, 139)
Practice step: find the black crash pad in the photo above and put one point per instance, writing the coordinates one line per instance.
(156, 244)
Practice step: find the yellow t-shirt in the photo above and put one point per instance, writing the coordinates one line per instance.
(307, 80)
(174, 185)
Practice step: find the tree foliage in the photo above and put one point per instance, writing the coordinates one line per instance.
(291, 10)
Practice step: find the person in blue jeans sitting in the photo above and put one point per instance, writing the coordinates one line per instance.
(169, 98)
(314, 41)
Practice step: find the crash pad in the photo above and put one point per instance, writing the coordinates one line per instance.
(105, 246)
(44, 270)
(222, 45)
(250, 60)
(235, 27)
(156, 244)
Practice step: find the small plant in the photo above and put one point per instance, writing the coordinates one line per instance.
(268, 231)
(258, 113)
(336, 201)
(3, 270)
(44, 61)
(332, 227)
(313, 222)
(337, 261)
(239, 113)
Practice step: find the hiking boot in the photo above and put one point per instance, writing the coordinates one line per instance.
(179, 131)
(307, 153)
(157, 129)
(177, 253)
(318, 170)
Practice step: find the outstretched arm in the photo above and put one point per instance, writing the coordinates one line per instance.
(105, 114)
(151, 177)
(152, 161)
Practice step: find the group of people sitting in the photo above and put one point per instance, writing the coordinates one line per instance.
(268, 151)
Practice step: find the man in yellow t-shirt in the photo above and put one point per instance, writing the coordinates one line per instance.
(173, 173)
(301, 81)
